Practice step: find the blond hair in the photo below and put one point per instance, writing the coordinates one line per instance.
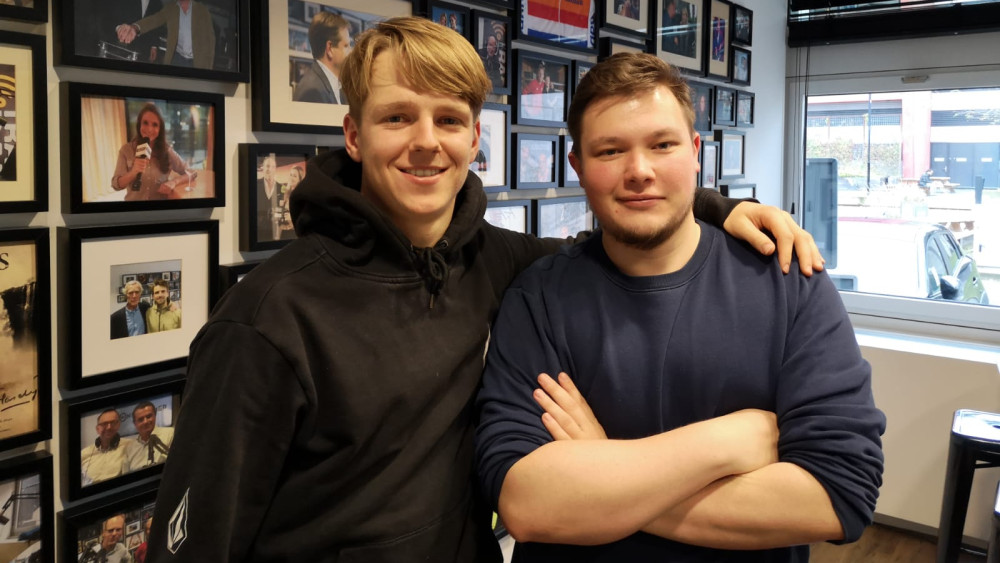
(627, 74)
(433, 58)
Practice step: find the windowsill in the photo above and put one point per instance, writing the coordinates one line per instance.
(928, 346)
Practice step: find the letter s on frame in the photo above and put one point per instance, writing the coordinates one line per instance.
(4, 264)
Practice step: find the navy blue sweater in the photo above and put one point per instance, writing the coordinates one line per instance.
(640, 349)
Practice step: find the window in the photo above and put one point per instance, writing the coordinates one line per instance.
(910, 196)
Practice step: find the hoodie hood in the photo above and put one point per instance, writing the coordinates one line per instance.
(328, 202)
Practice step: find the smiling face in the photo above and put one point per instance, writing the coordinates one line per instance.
(160, 294)
(145, 421)
(108, 424)
(415, 148)
(133, 292)
(150, 125)
(637, 162)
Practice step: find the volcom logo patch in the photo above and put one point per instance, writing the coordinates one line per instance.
(177, 527)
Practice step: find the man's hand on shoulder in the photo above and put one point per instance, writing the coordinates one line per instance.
(749, 220)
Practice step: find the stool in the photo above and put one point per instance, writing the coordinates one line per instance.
(993, 556)
(974, 444)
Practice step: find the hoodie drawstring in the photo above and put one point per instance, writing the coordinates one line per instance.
(433, 268)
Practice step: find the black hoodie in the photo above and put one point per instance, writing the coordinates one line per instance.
(328, 410)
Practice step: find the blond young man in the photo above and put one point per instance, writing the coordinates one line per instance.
(746, 456)
(328, 410)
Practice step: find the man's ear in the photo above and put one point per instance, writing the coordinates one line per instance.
(574, 161)
(696, 143)
(474, 151)
(351, 133)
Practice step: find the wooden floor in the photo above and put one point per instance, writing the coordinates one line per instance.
(881, 544)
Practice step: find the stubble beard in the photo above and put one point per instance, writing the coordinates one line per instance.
(647, 240)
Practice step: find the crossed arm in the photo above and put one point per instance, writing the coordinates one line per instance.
(715, 483)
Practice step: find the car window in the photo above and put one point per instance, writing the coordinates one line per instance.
(950, 251)
(936, 267)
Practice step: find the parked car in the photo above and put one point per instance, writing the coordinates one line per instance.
(906, 258)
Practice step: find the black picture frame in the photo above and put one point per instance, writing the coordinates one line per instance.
(742, 26)
(678, 42)
(739, 62)
(575, 15)
(739, 191)
(492, 163)
(253, 217)
(579, 70)
(561, 217)
(608, 46)
(533, 105)
(724, 108)
(231, 274)
(567, 177)
(629, 17)
(37, 12)
(490, 24)
(26, 489)
(281, 58)
(25, 288)
(708, 161)
(744, 109)
(89, 470)
(528, 170)
(456, 17)
(511, 214)
(732, 151)
(82, 524)
(194, 132)
(86, 36)
(24, 175)
(703, 100)
(101, 262)
(717, 39)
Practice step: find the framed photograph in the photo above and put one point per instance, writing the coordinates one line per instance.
(25, 338)
(537, 163)
(732, 148)
(724, 112)
(491, 38)
(701, 98)
(560, 23)
(112, 525)
(718, 40)
(579, 69)
(630, 17)
(744, 109)
(26, 524)
(541, 84)
(143, 37)
(709, 164)
(231, 274)
(568, 178)
(740, 62)
(29, 10)
(681, 26)
(113, 439)
(134, 149)
(492, 163)
(739, 191)
(561, 217)
(449, 15)
(510, 214)
(108, 341)
(608, 46)
(24, 167)
(269, 174)
(742, 26)
(290, 90)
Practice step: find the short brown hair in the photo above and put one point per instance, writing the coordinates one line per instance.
(433, 58)
(325, 27)
(626, 74)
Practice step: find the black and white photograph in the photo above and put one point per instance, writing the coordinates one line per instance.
(139, 149)
(109, 262)
(26, 527)
(191, 38)
(23, 124)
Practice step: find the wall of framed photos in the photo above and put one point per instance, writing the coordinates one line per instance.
(87, 232)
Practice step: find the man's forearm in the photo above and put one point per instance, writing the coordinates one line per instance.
(589, 492)
(776, 506)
